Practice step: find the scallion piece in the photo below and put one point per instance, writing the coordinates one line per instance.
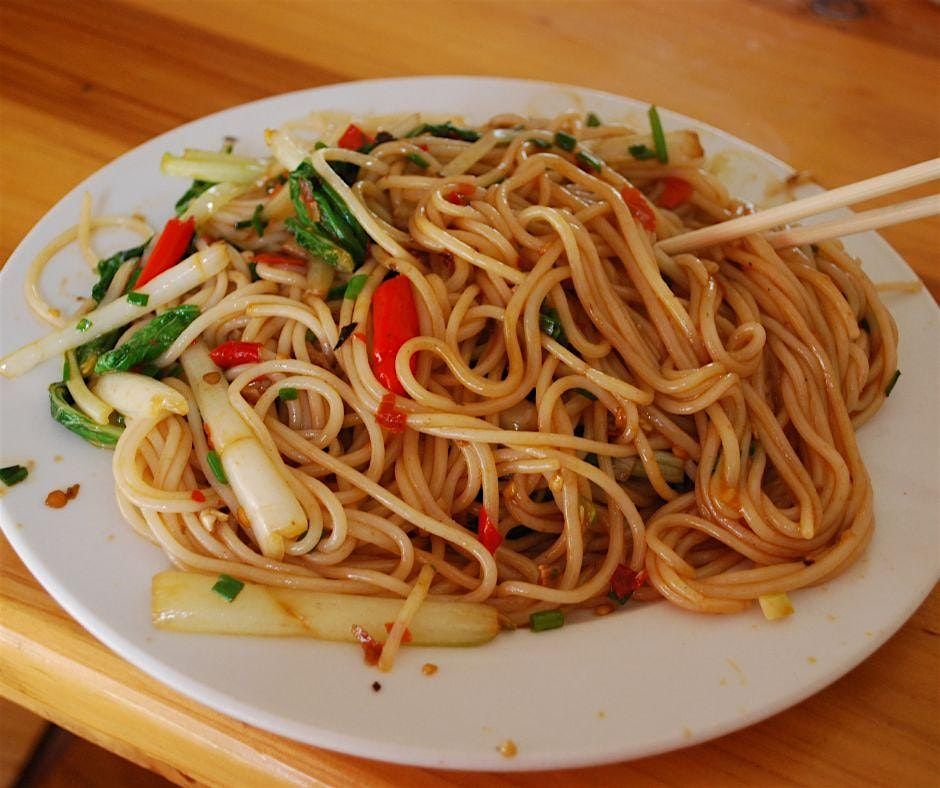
(593, 120)
(287, 394)
(659, 138)
(540, 143)
(83, 325)
(253, 270)
(228, 586)
(565, 141)
(589, 160)
(550, 323)
(417, 158)
(641, 152)
(138, 299)
(894, 379)
(13, 474)
(585, 393)
(354, 286)
(215, 463)
(546, 619)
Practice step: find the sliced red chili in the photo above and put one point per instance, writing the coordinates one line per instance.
(675, 192)
(197, 496)
(460, 194)
(389, 416)
(371, 648)
(639, 207)
(233, 353)
(353, 138)
(405, 638)
(624, 582)
(487, 532)
(280, 260)
(394, 322)
(168, 250)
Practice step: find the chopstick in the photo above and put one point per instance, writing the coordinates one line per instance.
(818, 203)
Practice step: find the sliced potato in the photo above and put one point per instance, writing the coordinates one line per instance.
(185, 602)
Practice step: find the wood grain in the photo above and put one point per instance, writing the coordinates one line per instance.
(84, 82)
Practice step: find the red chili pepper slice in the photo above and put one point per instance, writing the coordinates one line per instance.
(353, 138)
(675, 192)
(371, 648)
(197, 496)
(168, 250)
(405, 638)
(233, 353)
(394, 322)
(460, 194)
(487, 532)
(389, 416)
(624, 582)
(280, 260)
(639, 207)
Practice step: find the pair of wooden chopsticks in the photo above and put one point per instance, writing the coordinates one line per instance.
(820, 203)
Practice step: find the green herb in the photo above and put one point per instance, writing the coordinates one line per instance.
(13, 474)
(585, 393)
(659, 138)
(132, 280)
(550, 323)
(894, 380)
(148, 342)
(417, 158)
(641, 152)
(87, 354)
(108, 267)
(320, 246)
(197, 188)
(593, 120)
(83, 325)
(255, 221)
(546, 619)
(446, 130)
(345, 333)
(253, 271)
(228, 587)
(354, 286)
(287, 394)
(565, 141)
(63, 411)
(540, 143)
(320, 145)
(215, 464)
(589, 160)
(138, 299)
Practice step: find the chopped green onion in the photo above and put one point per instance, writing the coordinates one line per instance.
(417, 158)
(590, 160)
(550, 323)
(354, 286)
(138, 299)
(894, 380)
(593, 120)
(540, 143)
(13, 474)
(228, 587)
(83, 325)
(287, 394)
(253, 270)
(447, 130)
(255, 221)
(585, 393)
(215, 463)
(641, 152)
(565, 141)
(320, 145)
(132, 282)
(546, 619)
(659, 137)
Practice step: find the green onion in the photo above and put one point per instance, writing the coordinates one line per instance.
(585, 393)
(255, 221)
(13, 474)
(320, 145)
(138, 299)
(641, 152)
(108, 267)
(550, 323)
(287, 394)
(540, 143)
(659, 138)
(215, 463)
(417, 158)
(132, 281)
(253, 270)
(228, 587)
(83, 325)
(447, 130)
(354, 286)
(589, 160)
(894, 380)
(593, 120)
(565, 141)
(546, 619)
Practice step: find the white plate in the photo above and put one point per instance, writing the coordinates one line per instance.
(644, 680)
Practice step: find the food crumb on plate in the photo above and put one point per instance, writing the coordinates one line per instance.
(59, 498)
(508, 749)
(601, 714)
(429, 668)
(811, 660)
(686, 732)
(58, 458)
(376, 686)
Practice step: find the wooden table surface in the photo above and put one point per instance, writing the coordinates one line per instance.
(84, 82)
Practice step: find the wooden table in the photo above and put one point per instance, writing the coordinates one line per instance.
(83, 82)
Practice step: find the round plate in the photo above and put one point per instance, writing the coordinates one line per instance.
(646, 679)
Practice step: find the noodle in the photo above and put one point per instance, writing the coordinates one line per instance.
(574, 403)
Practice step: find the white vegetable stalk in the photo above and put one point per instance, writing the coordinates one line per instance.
(169, 285)
(87, 403)
(213, 200)
(139, 396)
(272, 510)
(214, 166)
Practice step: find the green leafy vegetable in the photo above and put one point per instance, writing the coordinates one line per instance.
(417, 158)
(447, 130)
(215, 464)
(287, 394)
(88, 353)
(108, 267)
(354, 286)
(641, 152)
(13, 474)
(138, 299)
(565, 141)
(63, 411)
(83, 325)
(593, 120)
(255, 221)
(148, 342)
(659, 137)
(228, 586)
(197, 188)
(589, 160)
(550, 323)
